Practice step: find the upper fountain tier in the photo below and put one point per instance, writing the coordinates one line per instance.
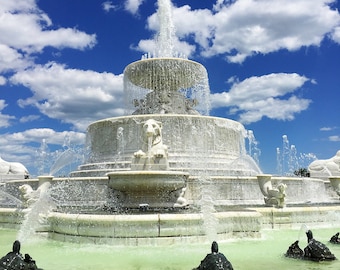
(166, 86)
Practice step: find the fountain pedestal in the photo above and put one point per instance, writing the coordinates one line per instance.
(156, 189)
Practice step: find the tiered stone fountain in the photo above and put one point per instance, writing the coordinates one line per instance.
(168, 172)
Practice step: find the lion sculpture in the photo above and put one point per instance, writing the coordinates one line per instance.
(154, 153)
(325, 167)
(12, 168)
(30, 196)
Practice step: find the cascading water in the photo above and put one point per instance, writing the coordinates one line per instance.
(207, 208)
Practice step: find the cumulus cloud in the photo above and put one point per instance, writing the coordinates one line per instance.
(17, 146)
(39, 134)
(73, 96)
(240, 29)
(4, 118)
(336, 34)
(11, 59)
(252, 27)
(25, 30)
(2, 80)
(265, 96)
(132, 6)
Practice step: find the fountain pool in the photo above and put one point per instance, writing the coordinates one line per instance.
(265, 253)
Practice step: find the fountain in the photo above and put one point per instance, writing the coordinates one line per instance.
(167, 172)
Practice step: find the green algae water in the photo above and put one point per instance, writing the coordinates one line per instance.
(266, 253)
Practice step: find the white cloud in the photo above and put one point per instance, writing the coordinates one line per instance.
(107, 6)
(17, 146)
(132, 6)
(4, 118)
(268, 95)
(334, 138)
(3, 80)
(327, 128)
(70, 95)
(29, 118)
(239, 29)
(272, 108)
(250, 27)
(336, 34)
(25, 29)
(11, 59)
(29, 32)
(51, 136)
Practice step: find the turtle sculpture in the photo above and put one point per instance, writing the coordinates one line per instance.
(335, 239)
(316, 250)
(294, 251)
(15, 261)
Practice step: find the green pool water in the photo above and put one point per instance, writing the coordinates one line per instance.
(247, 254)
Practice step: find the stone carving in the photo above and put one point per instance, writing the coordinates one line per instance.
(13, 168)
(294, 251)
(335, 239)
(314, 251)
(325, 167)
(154, 153)
(215, 260)
(165, 102)
(14, 259)
(274, 196)
(150, 183)
(30, 196)
(181, 201)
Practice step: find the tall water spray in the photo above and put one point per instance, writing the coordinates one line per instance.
(253, 149)
(164, 82)
(289, 160)
(166, 35)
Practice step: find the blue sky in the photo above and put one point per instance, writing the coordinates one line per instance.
(273, 65)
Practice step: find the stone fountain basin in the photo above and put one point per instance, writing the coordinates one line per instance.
(154, 189)
(151, 73)
(147, 181)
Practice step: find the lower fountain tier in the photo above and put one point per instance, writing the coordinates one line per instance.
(164, 229)
(93, 194)
(155, 189)
(195, 143)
